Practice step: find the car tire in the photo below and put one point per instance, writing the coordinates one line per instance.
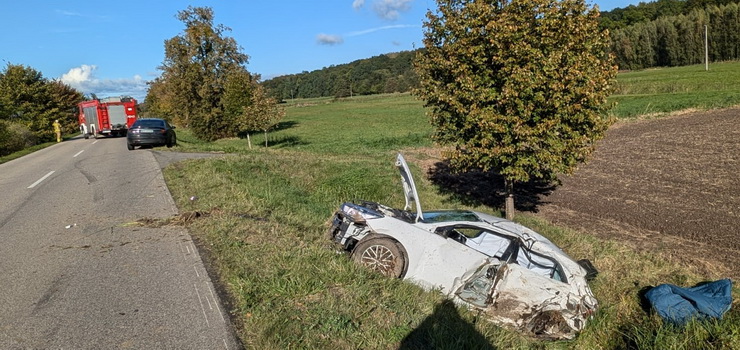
(130, 146)
(383, 255)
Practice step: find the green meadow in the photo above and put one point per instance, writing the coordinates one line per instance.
(266, 210)
(660, 91)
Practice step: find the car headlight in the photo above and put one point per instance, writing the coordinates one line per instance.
(357, 215)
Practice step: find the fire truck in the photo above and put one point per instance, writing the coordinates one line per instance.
(110, 116)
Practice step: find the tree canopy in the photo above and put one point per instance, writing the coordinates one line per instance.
(202, 73)
(29, 104)
(517, 87)
(388, 73)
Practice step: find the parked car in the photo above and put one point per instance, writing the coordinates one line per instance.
(515, 276)
(151, 132)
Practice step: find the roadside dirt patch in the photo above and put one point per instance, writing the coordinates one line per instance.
(670, 185)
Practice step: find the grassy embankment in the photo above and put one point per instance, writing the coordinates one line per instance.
(289, 289)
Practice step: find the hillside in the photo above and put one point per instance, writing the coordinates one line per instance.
(388, 73)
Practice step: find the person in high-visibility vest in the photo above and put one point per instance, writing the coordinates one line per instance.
(58, 130)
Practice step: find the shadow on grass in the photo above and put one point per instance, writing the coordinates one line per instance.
(284, 125)
(487, 188)
(287, 141)
(445, 329)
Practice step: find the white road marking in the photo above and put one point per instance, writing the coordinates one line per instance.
(196, 271)
(225, 345)
(78, 153)
(182, 250)
(96, 141)
(201, 305)
(41, 179)
(217, 307)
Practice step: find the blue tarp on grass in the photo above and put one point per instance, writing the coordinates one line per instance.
(679, 305)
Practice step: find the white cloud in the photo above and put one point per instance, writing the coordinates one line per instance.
(391, 9)
(83, 78)
(329, 39)
(372, 30)
(69, 13)
(357, 4)
(81, 15)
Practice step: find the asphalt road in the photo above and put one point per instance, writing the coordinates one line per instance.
(74, 272)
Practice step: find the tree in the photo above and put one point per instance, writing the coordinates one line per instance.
(195, 72)
(31, 103)
(517, 87)
(262, 113)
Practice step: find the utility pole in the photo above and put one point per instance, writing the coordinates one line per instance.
(706, 48)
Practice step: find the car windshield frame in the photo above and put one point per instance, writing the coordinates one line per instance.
(438, 216)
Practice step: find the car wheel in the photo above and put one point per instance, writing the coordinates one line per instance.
(130, 146)
(383, 255)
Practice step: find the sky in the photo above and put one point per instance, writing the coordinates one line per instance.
(112, 48)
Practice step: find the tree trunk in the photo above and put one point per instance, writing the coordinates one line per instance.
(265, 138)
(509, 184)
(249, 141)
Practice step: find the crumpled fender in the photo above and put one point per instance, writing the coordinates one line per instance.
(537, 305)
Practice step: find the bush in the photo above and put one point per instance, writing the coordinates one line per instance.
(14, 137)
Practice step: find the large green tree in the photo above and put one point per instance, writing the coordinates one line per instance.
(517, 87)
(30, 103)
(196, 88)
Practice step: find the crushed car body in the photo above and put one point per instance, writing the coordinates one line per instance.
(513, 275)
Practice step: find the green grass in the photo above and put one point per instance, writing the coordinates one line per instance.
(664, 90)
(291, 290)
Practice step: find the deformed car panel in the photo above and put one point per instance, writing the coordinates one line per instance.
(515, 276)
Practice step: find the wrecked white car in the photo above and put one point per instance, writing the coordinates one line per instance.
(515, 276)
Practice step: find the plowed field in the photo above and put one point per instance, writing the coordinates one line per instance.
(670, 185)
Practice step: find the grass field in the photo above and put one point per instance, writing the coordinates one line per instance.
(268, 211)
(664, 90)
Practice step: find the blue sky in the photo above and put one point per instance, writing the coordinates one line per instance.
(112, 48)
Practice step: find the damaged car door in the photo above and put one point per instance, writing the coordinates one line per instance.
(527, 296)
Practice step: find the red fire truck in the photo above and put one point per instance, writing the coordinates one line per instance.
(110, 116)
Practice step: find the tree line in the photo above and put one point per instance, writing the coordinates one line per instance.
(387, 73)
(29, 104)
(679, 40)
(650, 11)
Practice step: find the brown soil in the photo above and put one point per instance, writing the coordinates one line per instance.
(670, 185)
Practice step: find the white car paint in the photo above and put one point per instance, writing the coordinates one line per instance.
(516, 276)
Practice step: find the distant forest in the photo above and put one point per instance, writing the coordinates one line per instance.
(376, 75)
(662, 33)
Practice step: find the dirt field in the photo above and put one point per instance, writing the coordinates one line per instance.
(670, 184)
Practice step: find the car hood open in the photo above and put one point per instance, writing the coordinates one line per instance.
(409, 188)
